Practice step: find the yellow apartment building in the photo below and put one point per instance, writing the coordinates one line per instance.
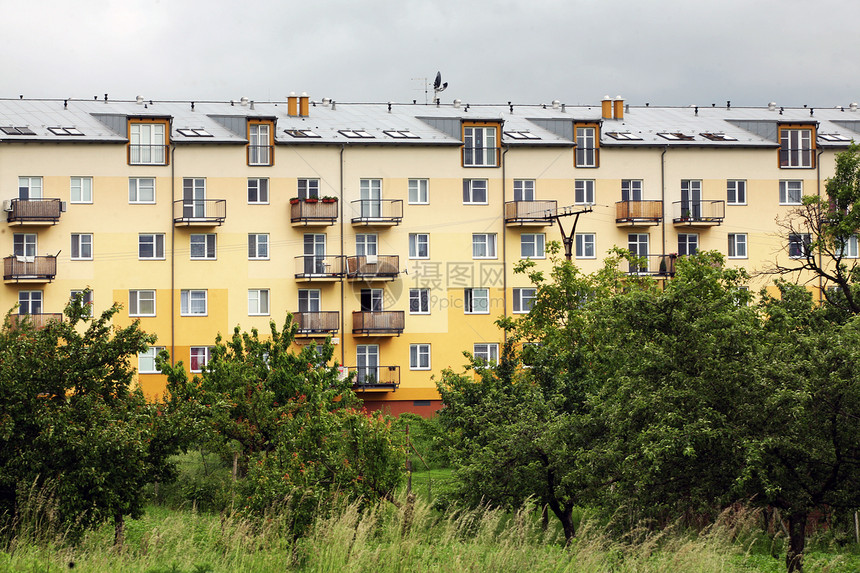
(392, 228)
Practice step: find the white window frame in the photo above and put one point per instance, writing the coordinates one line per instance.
(189, 302)
(471, 187)
(258, 246)
(419, 356)
(586, 146)
(419, 245)
(135, 189)
(259, 144)
(30, 188)
(419, 301)
(308, 188)
(534, 242)
(738, 243)
(25, 244)
(485, 154)
(486, 243)
(736, 192)
(524, 299)
(366, 244)
(586, 242)
(146, 144)
(686, 241)
(204, 354)
(796, 143)
(139, 297)
(850, 249)
(476, 301)
(146, 360)
(524, 190)
(155, 241)
(81, 190)
(82, 247)
(801, 239)
(631, 190)
(486, 351)
(206, 241)
(88, 299)
(786, 192)
(419, 192)
(30, 301)
(259, 302)
(259, 188)
(583, 191)
(310, 300)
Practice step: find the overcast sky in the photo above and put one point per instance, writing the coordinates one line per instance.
(666, 52)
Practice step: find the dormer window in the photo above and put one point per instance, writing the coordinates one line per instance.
(260, 143)
(147, 142)
(587, 145)
(481, 145)
(797, 146)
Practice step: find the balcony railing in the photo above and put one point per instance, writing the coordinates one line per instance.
(38, 320)
(375, 377)
(587, 156)
(139, 154)
(320, 212)
(373, 266)
(34, 211)
(29, 269)
(530, 212)
(481, 156)
(200, 212)
(654, 265)
(322, 323)
(260, 154)
(380, 212)
(378, 322)
(636, 213)
(318, 267)
(700, 212)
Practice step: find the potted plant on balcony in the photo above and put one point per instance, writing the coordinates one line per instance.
(311, 200)
(329, 199)
(294, 201)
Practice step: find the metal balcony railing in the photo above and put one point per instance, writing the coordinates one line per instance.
(319, 212)
(34, 211)
(377, 212)
(373, 266)
(698, 211)
(375, 377)
(38, 320)
(260, 154)
(199, 211)
(31, 269)
(632, 212)
(139, 154)
(530, 212)
(378, 322)
(311, 267)
(321, 322)
(481, 156)
(654, 265)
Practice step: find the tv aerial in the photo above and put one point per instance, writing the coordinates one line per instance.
(438, 87)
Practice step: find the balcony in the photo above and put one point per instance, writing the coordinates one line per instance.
(318, 213)
(653, 265)
(141, 154)
(377, 212)
(378, 323)
(199, 212)
(530, 213)
(375, 377)
(638, 213)
(29, 269)
(38, 320)
(317, 323)
(319, 267)
(369, 267)
(34, 211)
(698, 213)
(481, 156)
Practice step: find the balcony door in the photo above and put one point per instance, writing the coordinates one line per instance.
(24, 244)
(367, 360)
(309, 300)
(371, 198)
(371, 300)
(691, 199)
(314, 253)
(194, 198)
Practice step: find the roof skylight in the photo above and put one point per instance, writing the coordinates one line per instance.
(398, 134)
(718, 136)
(676, 136)
(521, 135)
(17, 130)
(300, 133)
(194, 132)
(834, 137)
(624, 136)
(355, 134)
(65, 131)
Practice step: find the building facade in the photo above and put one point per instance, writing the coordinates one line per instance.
(392, 228)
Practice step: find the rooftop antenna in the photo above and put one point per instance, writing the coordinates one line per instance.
(438, 86)
(425, 84)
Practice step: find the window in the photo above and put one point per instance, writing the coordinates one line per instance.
(418, 194)
(479, 148)
(796, 148)
(688, 243)
(365, 245)
(367, 364)
(146, 143)
(736, 192)
(202, 246)
(81, 190)
(790, 192)
(258, 301)
(849, 248)
(141, 190)
(419, 357)
(532, 245)
(259, 144)
(798, 245)
(419, 246)
(30, 302)
(586, 146)
(524, 189)
(523, 299)
(584, 191)
(82, 246)
(146, 360)
(474, 191)
(309, 300)
(309, 188)
(637, 244)
(476, 301)
(371, 198)
(484, 246)
(29, 188)
(87, 299)
(258, 191)
(141, 303)
(489, 353)
(258, 245)
(193, 302)
(737, 245)
(585, 246)
(631, 190)
(419, 301)
(150, 246)
(24, 244)
(199, 358)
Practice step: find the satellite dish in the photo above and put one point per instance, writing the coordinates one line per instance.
(438, 86)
